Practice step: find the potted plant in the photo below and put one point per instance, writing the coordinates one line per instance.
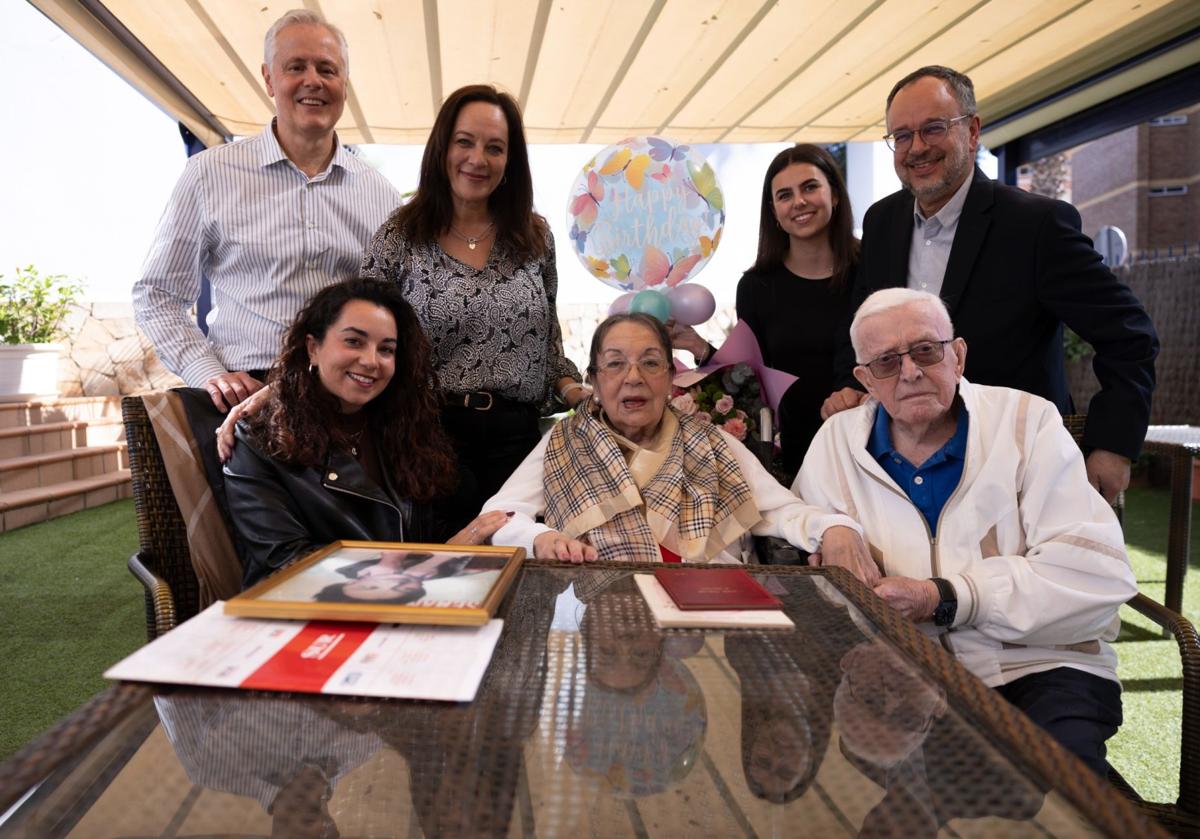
(32, 308)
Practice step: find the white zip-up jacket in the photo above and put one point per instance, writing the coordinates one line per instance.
(1036, 556)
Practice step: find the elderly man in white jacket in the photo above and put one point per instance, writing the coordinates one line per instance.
(975, 504)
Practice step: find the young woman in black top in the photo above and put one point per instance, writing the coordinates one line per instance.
(796, 296)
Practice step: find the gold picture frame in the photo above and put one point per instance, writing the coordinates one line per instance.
(387, 582)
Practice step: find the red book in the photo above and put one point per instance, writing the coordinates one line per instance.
(715, 588)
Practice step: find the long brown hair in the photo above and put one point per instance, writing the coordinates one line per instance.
(299, 425)
(430, 211)
(773, 240)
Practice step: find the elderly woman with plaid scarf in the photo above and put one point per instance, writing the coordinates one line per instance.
(627, 478)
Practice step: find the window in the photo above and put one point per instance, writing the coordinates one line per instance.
(1164, 191)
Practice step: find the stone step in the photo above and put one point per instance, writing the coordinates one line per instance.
(57, 436)
(68, 409)
(40, 470)
(30, 506)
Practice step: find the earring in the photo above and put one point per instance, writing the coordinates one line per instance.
(312, 368)
(504, 179)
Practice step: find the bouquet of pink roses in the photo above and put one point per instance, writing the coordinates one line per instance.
(730, 397)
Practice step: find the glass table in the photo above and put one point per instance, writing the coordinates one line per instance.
(589, 722)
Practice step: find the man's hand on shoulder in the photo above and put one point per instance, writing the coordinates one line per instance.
(841, 400)
(1108, 472)
(228, 389)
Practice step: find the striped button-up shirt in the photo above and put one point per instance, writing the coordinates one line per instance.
(266, 237)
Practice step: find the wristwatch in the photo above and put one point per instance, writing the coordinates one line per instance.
(947, 607)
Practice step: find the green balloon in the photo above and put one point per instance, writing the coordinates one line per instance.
(653, 303)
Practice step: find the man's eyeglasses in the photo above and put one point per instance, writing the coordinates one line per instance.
(932, 133)
(615, 366)
(923, 354)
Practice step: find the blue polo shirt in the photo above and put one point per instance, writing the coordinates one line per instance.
(929, 486)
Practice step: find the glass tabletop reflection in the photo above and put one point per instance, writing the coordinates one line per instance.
(589, 722)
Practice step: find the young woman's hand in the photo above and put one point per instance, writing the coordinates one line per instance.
(246, 408)
(555, 545)
(686, 338)
(481, 528)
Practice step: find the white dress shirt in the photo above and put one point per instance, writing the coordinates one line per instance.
(266, 237)
(931, 242)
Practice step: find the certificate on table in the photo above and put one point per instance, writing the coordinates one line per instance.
(349, 659)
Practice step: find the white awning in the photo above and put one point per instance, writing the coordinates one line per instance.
(596, 71)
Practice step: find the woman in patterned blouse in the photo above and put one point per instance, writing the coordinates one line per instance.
(477, 264)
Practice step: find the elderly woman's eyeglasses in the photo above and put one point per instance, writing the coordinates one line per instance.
(617, 365)
(932, 133)
(923, 354)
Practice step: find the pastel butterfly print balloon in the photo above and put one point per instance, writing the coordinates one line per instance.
(664, 150)
(657, 268)
(632, 165)
(585, 207)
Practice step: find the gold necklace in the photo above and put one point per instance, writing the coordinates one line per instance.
(472, 241)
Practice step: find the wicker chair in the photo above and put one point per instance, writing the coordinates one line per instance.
(1183, 817)
(163, 562)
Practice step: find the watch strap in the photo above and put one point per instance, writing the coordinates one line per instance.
(947, 607)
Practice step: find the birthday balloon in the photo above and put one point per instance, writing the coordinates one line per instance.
(621, 305)
(646, 213)
(691, 304)
(651, 302)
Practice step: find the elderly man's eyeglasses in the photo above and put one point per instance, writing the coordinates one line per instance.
(932, 133)
(617, 366)
(923, 354)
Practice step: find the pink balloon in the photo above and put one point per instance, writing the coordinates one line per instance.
(621, 305)
(691, 303)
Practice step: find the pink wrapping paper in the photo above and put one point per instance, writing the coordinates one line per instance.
(741, 347)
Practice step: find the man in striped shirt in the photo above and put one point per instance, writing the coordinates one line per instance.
(268, 220)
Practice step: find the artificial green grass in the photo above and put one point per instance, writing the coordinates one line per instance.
(1146, 749)
(70, 610)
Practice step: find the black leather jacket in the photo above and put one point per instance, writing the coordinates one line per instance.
(282, 511)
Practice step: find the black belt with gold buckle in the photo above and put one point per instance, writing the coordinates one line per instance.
(480, 400)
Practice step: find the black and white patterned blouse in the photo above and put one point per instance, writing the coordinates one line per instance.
(493, 328)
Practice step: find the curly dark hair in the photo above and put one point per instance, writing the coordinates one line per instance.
(429, 213)
(773, 240)
(298, 423)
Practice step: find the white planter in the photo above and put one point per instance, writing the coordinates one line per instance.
(28, 371)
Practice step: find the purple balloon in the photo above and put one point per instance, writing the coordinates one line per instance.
(621, 305)
(691, 303)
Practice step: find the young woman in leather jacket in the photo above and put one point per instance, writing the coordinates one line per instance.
(349, 444)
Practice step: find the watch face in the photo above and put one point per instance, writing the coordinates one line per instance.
(944, 614)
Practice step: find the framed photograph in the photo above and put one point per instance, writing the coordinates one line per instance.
(386, 582)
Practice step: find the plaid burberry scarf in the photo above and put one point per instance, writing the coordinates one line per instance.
(697, 504)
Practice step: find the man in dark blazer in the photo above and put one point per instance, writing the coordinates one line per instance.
(1012, 267)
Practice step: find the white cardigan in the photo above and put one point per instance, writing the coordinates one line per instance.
(784, 515)
(1035, 554)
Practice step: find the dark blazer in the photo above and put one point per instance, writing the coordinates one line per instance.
(1018, 270)
(282, 512)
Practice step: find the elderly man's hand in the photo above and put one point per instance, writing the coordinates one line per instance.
(843, 547)
(915, 599)
(555, 545)
(1108, 472)
(228, 389)
(841, 400)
